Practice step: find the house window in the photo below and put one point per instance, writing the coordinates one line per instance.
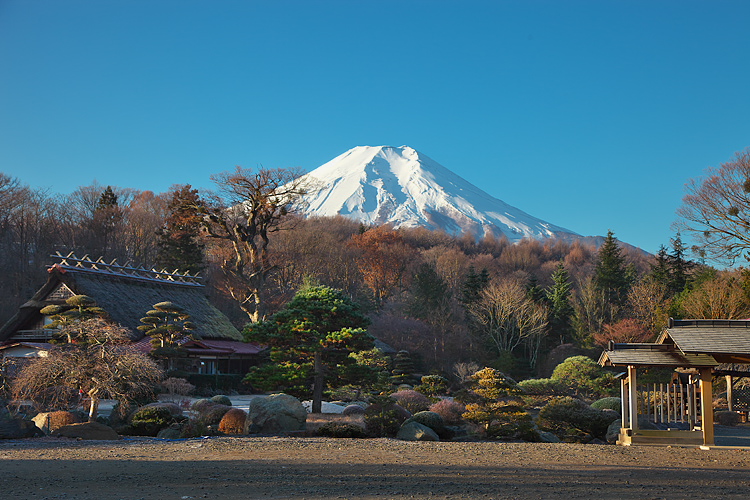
(60, 293)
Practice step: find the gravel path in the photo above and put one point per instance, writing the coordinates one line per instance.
(239, 468)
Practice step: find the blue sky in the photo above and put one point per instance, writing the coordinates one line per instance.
(591, 115)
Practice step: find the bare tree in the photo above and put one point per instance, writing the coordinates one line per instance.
(251, 205)
(101, 365)
(506, 317)
(716, 209)
(723, 297)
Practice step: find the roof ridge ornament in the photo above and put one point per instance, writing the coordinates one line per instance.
(100, 266)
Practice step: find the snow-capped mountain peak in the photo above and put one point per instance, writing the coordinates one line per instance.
(401, 186)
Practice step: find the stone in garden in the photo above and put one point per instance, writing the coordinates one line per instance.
(353, 410)
(17, 428)
(275, 414)
(414, 431)
(548, 437)
(87, 431)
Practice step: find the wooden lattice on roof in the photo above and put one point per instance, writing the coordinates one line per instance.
(112, 268)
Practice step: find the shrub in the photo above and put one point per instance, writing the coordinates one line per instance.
(383, 418)
(498, 409)
(174, 409)
(412, 400)
(433, 385)
(610, 403)
(584, 377)
(148, 421)
(451, 411)
(213, 415)
(341, 430)
(222, 400)
(233, 421)
(196, 428)
(730, 418)
(573, 420)
(353, 410)
(202, 405)
(429, 419)
(542, 387)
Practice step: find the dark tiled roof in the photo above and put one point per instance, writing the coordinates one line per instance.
(653, 355)
(708, 339)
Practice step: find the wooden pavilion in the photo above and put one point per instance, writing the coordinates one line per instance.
(680, 412)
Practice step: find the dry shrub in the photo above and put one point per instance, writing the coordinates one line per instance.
(233, 422)
(730, 418)
(214, 414)
(411, 400)
(58, 419)
(317, 420)
(451, 411)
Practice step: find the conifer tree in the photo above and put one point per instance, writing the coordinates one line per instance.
(473, 285)
(179, 245)
(430, 293)
(561, 310)
(611, 274)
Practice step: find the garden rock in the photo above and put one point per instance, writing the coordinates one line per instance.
(17, 428)
(275, 414)
(53, 420)
(548, 437)
(87, 431)
(353, 410)
(414, 431)
(172, 432)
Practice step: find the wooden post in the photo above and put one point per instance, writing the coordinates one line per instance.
(633, 397)
(624, 404)
(729, 392)
(707, 410)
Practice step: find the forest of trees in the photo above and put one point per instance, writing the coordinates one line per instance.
(444, 299)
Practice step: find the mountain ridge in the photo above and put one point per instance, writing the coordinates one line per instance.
(406, 188)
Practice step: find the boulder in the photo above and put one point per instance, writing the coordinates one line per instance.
(353, 410)
(17, 428)
(171, 432)
(548, 437)
(87, 431)
(275, 414)
(50, 421)
(414, 431)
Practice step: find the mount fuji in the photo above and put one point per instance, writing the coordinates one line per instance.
(403, 187)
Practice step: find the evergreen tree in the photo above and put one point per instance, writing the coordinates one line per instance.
(611, 274)
(534, 291)
(680, 267)
(179, 244)
(403, 368)
(660, 268)
(65, 318)
(107, 217)
(561, 310)
(320, 323)
(430, 293)
(473, 285)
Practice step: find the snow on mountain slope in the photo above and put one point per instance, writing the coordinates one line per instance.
(378, 185)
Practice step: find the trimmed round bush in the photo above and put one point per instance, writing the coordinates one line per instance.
(174, 409)
(148, 421)
(451, 411)
(411, 400)
(610, 403)
(222, 400)
(353, 410)
(214, 414)
(429, 419)
(542, 387)
(202, 405)
(572, 419)
(730, 418)
(341, 430)
(233, 421)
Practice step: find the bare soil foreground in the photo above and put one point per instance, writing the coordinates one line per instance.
(239, 468)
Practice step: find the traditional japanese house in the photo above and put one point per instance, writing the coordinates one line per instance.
(680, 412)
(126, 294)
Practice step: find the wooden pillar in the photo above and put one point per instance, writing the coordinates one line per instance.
(624, 406)
(729, 393)
(707, 409)
(632, 398)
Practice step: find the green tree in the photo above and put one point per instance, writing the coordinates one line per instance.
(561, 310)
(66, 318)
(430, 294)
(316, 327)
(611, 275)
(179, 242)
(473, 285)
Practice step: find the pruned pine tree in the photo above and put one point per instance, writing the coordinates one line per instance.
(167, 324)
(66, 318)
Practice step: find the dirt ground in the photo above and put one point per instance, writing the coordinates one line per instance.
(284, 467)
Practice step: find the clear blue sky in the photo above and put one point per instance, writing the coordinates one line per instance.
(589, 114)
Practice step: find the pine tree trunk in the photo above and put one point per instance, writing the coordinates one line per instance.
(317, 402)
(93, 406)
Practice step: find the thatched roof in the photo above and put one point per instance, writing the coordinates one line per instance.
(126, 296)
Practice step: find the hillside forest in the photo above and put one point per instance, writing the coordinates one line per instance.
(447, 300)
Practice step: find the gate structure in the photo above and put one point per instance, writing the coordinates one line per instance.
(676, 413)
